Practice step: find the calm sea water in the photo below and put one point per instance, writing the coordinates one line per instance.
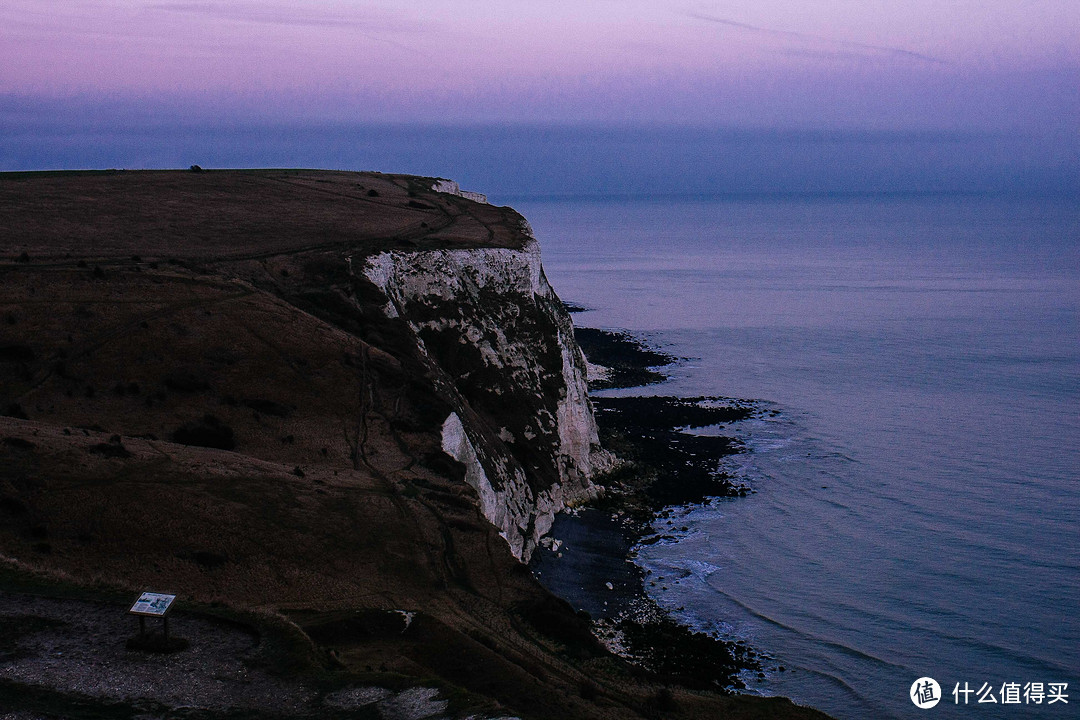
(918, 491)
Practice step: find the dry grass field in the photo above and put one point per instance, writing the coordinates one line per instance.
(198, 398)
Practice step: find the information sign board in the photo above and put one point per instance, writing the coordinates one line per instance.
(152, 604)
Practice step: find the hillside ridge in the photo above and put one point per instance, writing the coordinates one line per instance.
(204, 391)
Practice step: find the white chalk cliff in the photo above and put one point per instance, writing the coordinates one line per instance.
(452, 188)
(522, 424)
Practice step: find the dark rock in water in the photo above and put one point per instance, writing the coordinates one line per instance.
(669, 652)
(668, 466)
(588, 564)
(629, 363)
(679, 467)
(659, 412)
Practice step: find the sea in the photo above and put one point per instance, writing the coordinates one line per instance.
(916, 459)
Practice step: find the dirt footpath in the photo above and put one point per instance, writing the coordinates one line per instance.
(77, 648)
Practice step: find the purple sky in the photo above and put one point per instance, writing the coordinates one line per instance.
(879, 64)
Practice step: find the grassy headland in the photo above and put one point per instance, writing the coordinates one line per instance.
(198, 397)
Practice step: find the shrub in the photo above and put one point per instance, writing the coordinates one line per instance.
(110, 450)
(207, 432)
(186, 381)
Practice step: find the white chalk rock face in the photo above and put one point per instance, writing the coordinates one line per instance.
(523, 426)
(452, 188)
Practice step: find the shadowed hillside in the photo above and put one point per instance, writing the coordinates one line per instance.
(202, 395)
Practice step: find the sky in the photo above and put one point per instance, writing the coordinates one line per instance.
(973, 67)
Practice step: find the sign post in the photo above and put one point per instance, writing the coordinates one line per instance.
(151, 604)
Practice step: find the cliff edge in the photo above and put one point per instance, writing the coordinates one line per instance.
(462, 279)
(504, 351)
(335, 410)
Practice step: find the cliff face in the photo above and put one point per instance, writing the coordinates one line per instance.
(431, 288)
(247, 387)
(504, 348)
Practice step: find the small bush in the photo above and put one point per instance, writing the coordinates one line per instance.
(663, 700)
(554, 617)
(12, 506)
(209, 560)
(186, 381)
(17, 353)
(268, 407)
(207, 432)
(110, 450)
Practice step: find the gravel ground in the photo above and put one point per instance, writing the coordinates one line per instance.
(82, 650)
(78, 647)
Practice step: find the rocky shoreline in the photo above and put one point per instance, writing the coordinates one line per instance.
(340, 425)
(588, 560)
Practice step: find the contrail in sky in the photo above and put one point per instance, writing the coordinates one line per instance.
(272, 14)
(804, 37)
